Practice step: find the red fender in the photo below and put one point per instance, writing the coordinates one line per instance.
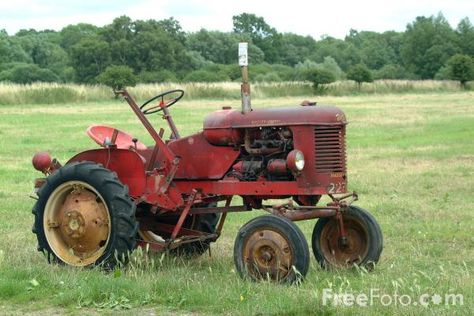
(128, 165)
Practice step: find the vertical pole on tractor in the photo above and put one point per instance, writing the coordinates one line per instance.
(245, 87)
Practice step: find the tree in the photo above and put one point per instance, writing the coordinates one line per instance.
(118, 77)
(460, 68)
(427, 45)
(72, 34)
(328, 65)
(262, 35)
(319, 77)
(359, 73)
(44, 51)
(344, 53)
(89, 58)
(296, 48)
(27, 73)
(11, 50)
(392, 71)
(376, 49)
(465, 34)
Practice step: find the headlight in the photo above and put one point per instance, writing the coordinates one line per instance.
(295, 160)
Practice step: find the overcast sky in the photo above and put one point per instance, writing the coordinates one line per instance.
(315, 18)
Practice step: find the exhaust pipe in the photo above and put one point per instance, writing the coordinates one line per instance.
(245, 87)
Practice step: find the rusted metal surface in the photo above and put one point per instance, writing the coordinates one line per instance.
(257, 151)
(223, 217)
(330, 149)
(201, 160)
(104, 135)
(174, 130)
(189, 239)
(254, 188)
(42, 161)
(348, 250)
(245, 91)
(284, 116)
(167, 153)
(225, 209)
(128, 165)
(333, 209)
(267, 253)
(77, 223)
(183, 215)
(245, 87)
(299, 213)
(277, 166)
(223, 137)
(153, 233)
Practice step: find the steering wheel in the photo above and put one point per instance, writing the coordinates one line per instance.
(162, 105)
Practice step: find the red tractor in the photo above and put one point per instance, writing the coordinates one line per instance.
(104, 202)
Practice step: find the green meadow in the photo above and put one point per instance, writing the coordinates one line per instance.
(410, 159)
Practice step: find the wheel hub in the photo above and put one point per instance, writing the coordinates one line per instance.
(349, 250)
(75, 224)
(267, 255)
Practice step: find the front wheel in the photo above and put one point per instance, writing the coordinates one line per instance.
(85, 217)
(271, 248)
(364, 240)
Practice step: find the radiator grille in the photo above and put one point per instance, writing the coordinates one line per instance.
(330, 149)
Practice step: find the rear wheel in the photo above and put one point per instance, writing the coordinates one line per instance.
(271, 248)
(84, 217)
(364, 240)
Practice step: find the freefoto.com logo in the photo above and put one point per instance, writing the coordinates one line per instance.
(375, 297)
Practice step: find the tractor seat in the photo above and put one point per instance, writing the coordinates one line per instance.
(101, 133)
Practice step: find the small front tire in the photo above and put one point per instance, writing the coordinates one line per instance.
(364, 240)
(271, 248)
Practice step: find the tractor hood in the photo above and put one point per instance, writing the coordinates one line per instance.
(285, 116)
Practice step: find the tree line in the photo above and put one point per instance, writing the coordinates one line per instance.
(126, 51)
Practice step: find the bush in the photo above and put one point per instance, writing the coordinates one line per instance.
(117, 77)
(232, 71)
(28, 73)
(268, 77)
(205, 76)
(157, 76)
(286, 73)
(391, 71)
(319, 77)
(359, 73)
(331, 65)
(460, 68)
(328, 65)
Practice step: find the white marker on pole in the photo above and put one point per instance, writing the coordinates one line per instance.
(243, 54)
(245, 87)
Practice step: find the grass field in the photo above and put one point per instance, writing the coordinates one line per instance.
(410, 158)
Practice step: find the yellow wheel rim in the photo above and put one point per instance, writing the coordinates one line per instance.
(77, 223)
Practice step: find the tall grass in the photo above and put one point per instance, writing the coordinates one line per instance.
(51, 93)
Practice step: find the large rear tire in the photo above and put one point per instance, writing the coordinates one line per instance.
(85, 217)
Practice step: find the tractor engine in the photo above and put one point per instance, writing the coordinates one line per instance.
(305, 144)
(263, 154)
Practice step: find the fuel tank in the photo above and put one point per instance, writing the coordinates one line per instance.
(225, 127)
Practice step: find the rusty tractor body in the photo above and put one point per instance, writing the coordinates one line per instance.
(174, 195)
